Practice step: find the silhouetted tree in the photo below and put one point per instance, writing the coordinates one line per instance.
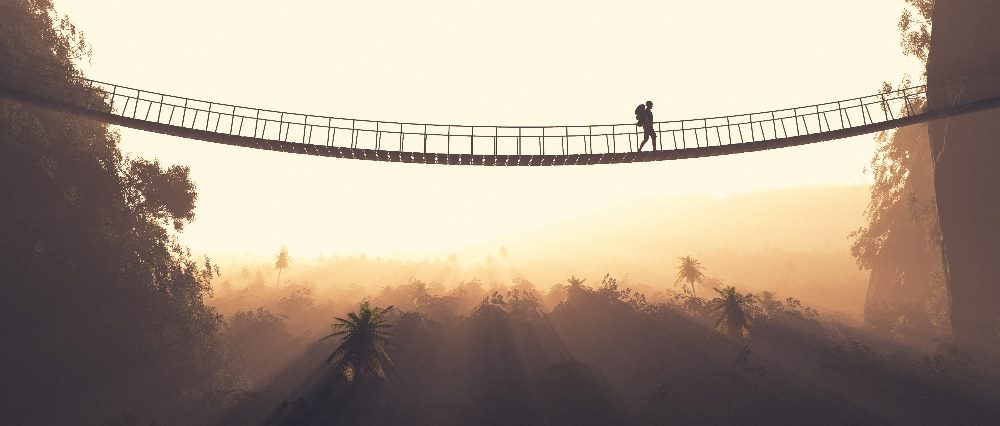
(768, 304)
(900, 243)
(362, 349)
(261, 338)
(575, 288)
(575, 282)
(301, 299)
(99, 294)
(691, 272)
(416, 293)
(280, 263)
(733, 311)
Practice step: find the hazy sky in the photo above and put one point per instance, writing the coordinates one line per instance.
(514, 62)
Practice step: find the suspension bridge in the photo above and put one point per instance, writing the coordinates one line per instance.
(456, 144)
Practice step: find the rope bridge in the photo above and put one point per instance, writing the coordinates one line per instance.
(456, 144)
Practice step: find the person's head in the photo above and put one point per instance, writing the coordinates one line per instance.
(649, 104)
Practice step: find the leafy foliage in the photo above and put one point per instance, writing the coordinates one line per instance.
(158, 194)
(299, 300)
(767, 304)
(900, 243)
(915, 29)
(99, 293)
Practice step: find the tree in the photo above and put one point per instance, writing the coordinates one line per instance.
(733, 311)
(915, 34)
(299, 301)
(691, 272)
(98, 291)
(900, 243)
(362, 348)
(281, 262)
(575, 282)
(769, 305)
(575, 288)
(261, 339)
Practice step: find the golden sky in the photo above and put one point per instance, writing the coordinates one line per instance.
(515, 62)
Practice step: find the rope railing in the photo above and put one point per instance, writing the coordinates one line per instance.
(497, 145)
(351, 132)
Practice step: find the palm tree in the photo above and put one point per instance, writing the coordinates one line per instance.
(281, 263)
(690, 270)
(733, 310)
(575, 282)
(362, 348)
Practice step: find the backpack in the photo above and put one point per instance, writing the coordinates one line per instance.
(640, 114)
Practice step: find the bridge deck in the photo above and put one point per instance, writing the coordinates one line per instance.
(498, 145)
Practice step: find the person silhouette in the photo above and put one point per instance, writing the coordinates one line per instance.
(647, 126)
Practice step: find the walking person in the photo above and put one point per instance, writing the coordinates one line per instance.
(646, 121)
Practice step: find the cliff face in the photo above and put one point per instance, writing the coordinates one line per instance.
(964, 65)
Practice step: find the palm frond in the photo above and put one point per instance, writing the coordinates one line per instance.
(336, 353)
(341, 322)
(732, 309)
(362, 349)
(339, 333)
(388, 361)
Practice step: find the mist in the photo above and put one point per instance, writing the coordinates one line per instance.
(790, 241)
(152, 277)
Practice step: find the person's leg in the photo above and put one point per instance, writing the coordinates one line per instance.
(648, 131)
(644, 139)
